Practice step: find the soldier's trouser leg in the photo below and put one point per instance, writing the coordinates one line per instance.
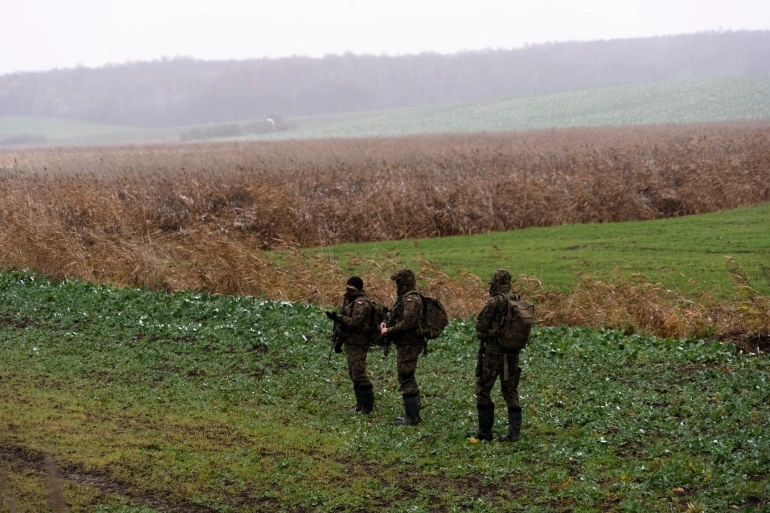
(356, 359)
(486, 408)
(510, 387)
(406, 366)
(484, 383)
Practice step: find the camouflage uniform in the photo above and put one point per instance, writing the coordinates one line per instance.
(496, 363)
(405, 316)
(354, 332)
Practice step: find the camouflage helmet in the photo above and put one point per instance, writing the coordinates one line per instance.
(404, 278)
(500, 277)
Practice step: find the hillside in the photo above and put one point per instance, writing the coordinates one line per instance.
(685, 101)
(700, 101)
(174, 92)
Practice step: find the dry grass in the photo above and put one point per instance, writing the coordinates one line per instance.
(200, 216)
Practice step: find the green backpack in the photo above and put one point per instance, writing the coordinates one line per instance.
(434, 317)
(516, 323)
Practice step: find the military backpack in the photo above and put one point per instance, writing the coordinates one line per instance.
(434, 317)
(517, 322)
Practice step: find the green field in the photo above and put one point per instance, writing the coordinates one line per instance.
(701, 101)
(690, 254)
(149, 401)
(697, 101)
(60, 131)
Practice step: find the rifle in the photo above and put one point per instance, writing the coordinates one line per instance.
(335, 333)
(385, 340)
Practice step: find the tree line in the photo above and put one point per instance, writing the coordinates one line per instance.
(179, 91)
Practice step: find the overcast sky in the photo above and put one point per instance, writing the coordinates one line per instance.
(38, 35)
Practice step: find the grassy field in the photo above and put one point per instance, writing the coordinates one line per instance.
(132, 401)
(60, 131)
(692, 254)
(699, 101)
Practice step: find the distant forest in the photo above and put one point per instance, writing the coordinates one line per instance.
(182, 91)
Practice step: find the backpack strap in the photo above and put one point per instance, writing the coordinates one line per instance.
(502, 311)
(422, 299)
(424, 308)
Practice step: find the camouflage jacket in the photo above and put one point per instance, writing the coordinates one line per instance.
(355, 319)
(490, 320)
(404, 319)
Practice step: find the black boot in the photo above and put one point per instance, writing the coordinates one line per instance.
(411, 411)
(486, 421)
(357, 407)
(366, 398)
(514, 425)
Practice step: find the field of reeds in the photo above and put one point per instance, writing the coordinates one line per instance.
(201, 217)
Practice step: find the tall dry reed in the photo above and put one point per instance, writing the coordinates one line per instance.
(200, 216)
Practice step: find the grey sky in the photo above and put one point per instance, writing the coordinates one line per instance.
(45, 34)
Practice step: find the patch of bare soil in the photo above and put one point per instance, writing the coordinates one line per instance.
(19, 457)
(755, 343)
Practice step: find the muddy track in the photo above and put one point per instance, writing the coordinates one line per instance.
(19, 458)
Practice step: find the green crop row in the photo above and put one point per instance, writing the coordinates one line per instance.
(150, 401)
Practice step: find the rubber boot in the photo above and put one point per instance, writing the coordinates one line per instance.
(486, 421)
(514, 425)
(411, 411)
(357, 391)
(366, 397)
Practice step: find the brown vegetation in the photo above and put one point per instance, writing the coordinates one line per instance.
(200, 216)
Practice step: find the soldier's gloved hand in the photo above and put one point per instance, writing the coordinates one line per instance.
(337, 348)
(332, 316)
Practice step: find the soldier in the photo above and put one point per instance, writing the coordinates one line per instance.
(494, 362)
(353, 323)
(403, 333)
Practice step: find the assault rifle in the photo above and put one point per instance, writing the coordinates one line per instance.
(386, 340)
(335, 333)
